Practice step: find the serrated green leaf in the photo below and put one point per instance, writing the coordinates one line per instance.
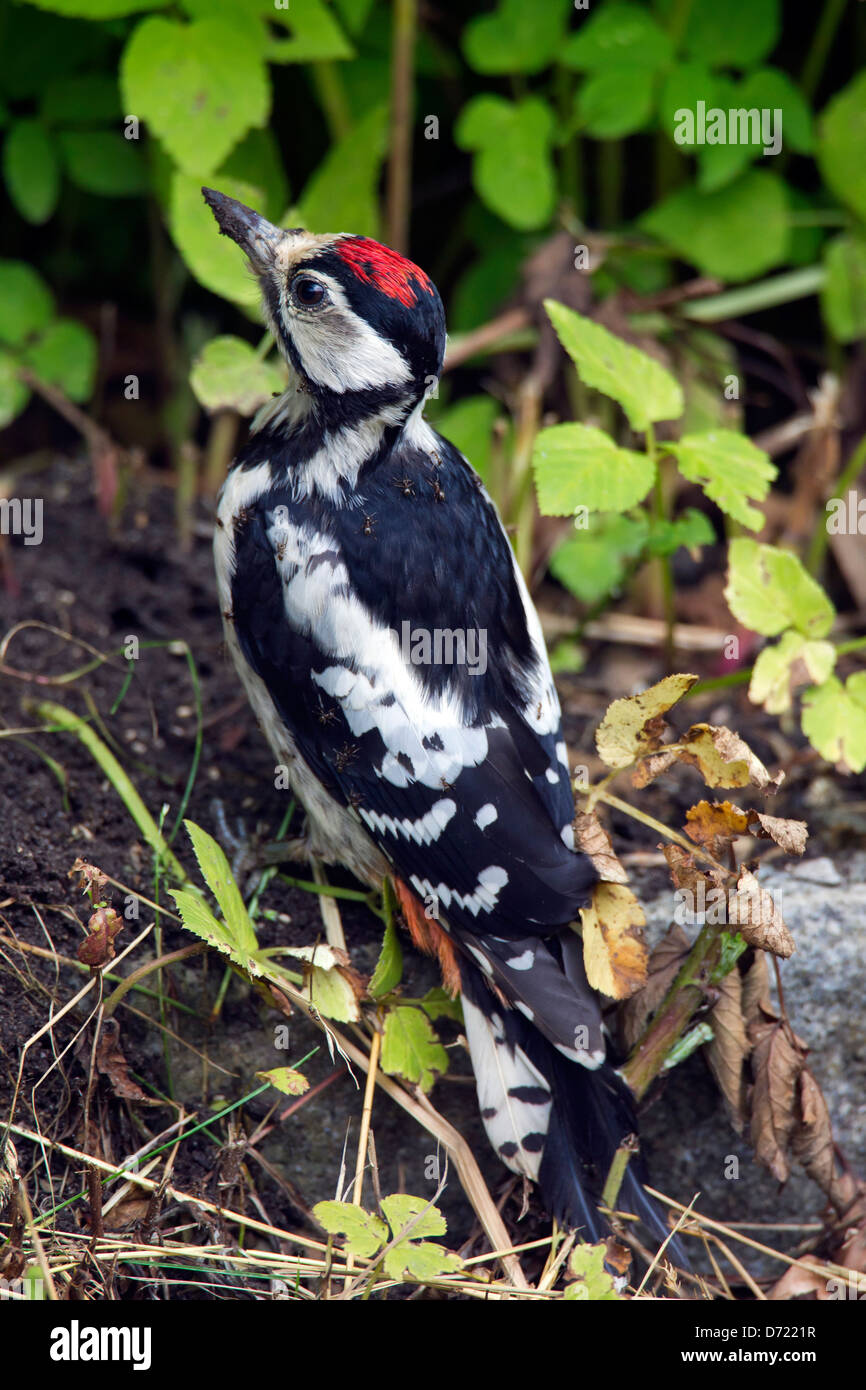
(843, 295)
(512, 169)
(217, 873)
(215, 261)
(65, 356)
(26, 303)
(287, 1080)
(104, 162)
(642, 386)
(768, 590)
(30, 170)
(615, 102)
(364, 1233)
(737, 34)
(580, 466)
(774, 676)
(593, 1282)
(516, 37)
(341, 196)
(228, 375)
(401, 1208)
(735, 232)
(14, 395)
(616, 35)
(834, 720)
(199, 86)
(730, 469)
(841, 148)
(198, 918)
(389, 967)
(411, 1049)
(423, 1262)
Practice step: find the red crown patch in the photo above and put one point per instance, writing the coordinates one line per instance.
(380, 266)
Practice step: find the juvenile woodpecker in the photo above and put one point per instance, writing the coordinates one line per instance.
(391, 652)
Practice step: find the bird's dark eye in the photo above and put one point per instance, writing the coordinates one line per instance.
(307, 291)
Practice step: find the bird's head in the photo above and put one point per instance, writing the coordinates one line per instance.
(350, 315)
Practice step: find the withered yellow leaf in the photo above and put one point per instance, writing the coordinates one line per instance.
(614, 951)
(633, 725)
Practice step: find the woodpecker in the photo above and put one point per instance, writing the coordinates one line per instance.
(360, 565)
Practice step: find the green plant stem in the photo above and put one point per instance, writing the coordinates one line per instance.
(820, 47)
(665, 564)
(779, 289)
(821, 536)
(400, 156)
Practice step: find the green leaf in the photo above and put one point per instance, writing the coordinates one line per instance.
(768, 590)
(30, 170)
(65, 356)
(469, 427)
(389, 967)
(693, 529)
(79, 99)
(215, 261)
(413, 1255)
(771, 89)
(326, 985)
(104, 161)
(228, 375)
(316, 35)
(220, 880)
(593, 1283)
(684, 85)
(642, 386)
(97, 9)
(834, 720)
(734, 233)
(341, 196)
(512, 170)
(580, 466)
(411, 1049)
(841, 150)
(437, 1003)
(843, 296)
(401, 1208)
(737, 34)
(615, 102)
(616, 35)
(729, 468)
(516, 37)
(792, 661)
(287, 1080)
(593, 563)
(14, 395)
(364, 1234)
(26, 303)
(198, 918)
(199, 86)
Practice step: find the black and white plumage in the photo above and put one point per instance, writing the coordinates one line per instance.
(355, 551)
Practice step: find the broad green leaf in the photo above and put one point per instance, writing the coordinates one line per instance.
(686, 84)
(97, 9)
(437, 1003)
(79, 99)
(413, 1255)
(729, 468)
(616, 35)
(516, 37)
(228, 375)
(615, 102)
(641, 385)
(592, 1282)
(512, 170)
(834, 720)
(315, 33)
(469, 427)
(691, 530)
(215, 261)
(287, 1080)
(593, 563)
(103, 161)
(737, 34)
(401, 1208)
(14, 395)
(771, 89)
(199, 86)
(65, 356)
(341, 196)
(792, 661)
(364, 1234)
(217, 873)
(26, 303)
(735, 232)
(580, 466)
(411, 1049)
(843, 296)
(389, 967)
(30, 170)
(841, 150)
(768, 590)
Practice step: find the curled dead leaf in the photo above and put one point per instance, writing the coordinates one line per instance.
(634, 725)
(724, 759)
(755, 915)
(707, 823)
(776, 1065)
(730, 1046)
(790, 834)
(812, 1140)
(592, 838)
(97, 949)
(90, 878)
(111, 1062)
(614, 951)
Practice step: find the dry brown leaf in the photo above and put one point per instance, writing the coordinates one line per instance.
(790, 834)
(752, 911)
(665, 964)
(634, 725)
(797, 1281)
(812, 1140)
(730, 1047)
(756, 992)
(650, 768)
(97, 948)
(724, 759)
(111, 1062)
(776, 1065)
(614, 951)
(707, 823)
(592, 838)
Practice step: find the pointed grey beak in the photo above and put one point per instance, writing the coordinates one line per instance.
(254, 234)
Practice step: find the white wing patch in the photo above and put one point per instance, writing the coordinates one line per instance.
(514, 1097)
(490, 881)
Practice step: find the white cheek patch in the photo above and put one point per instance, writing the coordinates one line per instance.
(337, 348)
